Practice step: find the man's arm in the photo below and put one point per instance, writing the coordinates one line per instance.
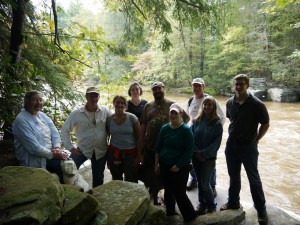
(262, 131)
(221, 113)
(66, 135)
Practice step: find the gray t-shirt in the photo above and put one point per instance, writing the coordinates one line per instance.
(122, 136)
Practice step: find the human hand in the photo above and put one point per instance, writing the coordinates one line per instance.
(199, 157)
(75, 151)
(137, 161)
(174, 169)
(60, 155)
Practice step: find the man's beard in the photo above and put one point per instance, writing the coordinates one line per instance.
(159, 96)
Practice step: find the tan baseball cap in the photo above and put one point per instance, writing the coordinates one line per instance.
(92, 90)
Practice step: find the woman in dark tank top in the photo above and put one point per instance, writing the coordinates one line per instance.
(135, 104)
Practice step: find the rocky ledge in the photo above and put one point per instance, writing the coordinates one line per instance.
(35, 196)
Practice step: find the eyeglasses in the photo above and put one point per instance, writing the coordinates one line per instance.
(239, 84)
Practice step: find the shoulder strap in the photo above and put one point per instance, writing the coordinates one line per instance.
(190, 101)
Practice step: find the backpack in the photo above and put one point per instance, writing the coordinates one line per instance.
(191, 99)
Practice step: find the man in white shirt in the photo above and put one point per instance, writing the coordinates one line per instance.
(193, 107)
(90, 131)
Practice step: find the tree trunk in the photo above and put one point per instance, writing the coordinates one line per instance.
(15, 49)
(201, 54)
(191, 53)
(17, 38)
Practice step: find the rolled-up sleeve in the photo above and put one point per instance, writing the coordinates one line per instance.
(66, 132)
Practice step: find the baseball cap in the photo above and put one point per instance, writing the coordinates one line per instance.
(92, 90)
(176, 107)
(198, 81)
(157, 84)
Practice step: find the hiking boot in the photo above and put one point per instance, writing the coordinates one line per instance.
(200, 210)
(262, 217)
(230, 206)
(191, 185)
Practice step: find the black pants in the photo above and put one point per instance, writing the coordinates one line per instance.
(148, 176)
(175, 191)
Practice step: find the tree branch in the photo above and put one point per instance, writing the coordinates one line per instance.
(56, 36)
(136, 6)
(191, 4)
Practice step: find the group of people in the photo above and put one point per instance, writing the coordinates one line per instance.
(154, 141)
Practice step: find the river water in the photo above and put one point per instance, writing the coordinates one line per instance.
(278, 159)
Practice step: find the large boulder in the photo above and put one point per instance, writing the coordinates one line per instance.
(155, 216)
(283, 95)
(125, 203)
(79, 208)
(258, 88)
(29, 196)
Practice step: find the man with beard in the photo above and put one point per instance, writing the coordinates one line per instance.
(154, 116)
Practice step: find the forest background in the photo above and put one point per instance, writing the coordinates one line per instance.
(58, 49)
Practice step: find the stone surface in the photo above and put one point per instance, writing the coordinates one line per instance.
(34, 196)
(276, 216)
(283, 95)
(30, 195)
(258, 84)
(125, 203)
(155, 216)
(79, 208)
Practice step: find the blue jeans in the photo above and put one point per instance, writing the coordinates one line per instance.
(204, 171)
(238, 153)
(213, 178)
(98, 167)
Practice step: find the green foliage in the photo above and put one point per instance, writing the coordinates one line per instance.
(158, 17)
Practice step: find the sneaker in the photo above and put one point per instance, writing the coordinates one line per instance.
(200, 210)
(215, 192)
(263, 217)
(191, 185)
(230, 206)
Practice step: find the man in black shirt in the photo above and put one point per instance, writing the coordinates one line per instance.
(245, 113)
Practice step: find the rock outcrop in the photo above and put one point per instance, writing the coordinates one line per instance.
(283, 95)
(35, 196)
(258, 87)
(30, 196)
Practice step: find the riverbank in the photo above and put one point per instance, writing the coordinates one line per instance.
(277, 216)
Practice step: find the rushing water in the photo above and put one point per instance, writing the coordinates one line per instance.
(278, 159)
